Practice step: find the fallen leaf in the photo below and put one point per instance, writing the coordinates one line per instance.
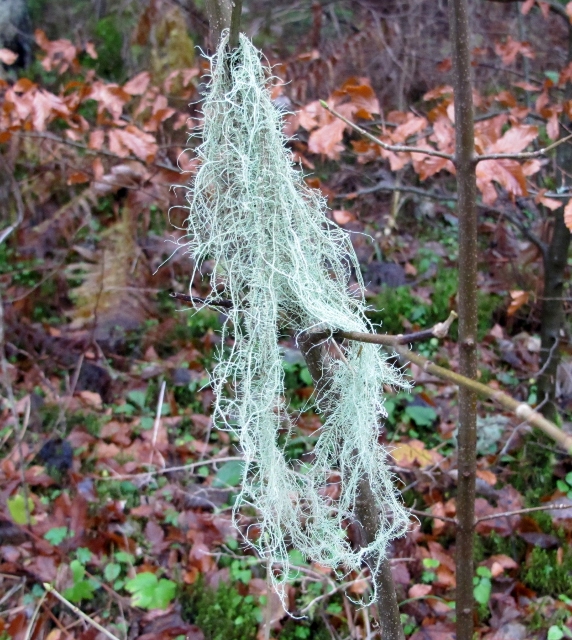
(8, 57)
(419, 590)
(568, 214)
(518, 300)
(409, 454)
(342, 216)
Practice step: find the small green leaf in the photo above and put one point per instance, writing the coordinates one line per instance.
(78, 570)
(127, 409)
(146, 423)
(482, 591)
(562, 486)
(83, 555)
(123, 556)
(430, 563)
(484, 572)
(57, 535)
(17, 508)
(229, 475)
(82, 590)
(111, 571)
(137, 398)
(306, 377)
(148, 592)
(421, 416)
(569, 478)
(555, 633)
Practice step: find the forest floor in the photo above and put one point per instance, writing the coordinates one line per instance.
(118, 490)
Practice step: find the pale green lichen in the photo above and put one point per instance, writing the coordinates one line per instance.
(281, 263)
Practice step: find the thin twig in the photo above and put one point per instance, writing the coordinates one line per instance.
(32, 623)
(158, 472)
(93, 152)
(48, 587)
(428, 514)
(19, 202)
(157, 422)
(518, 512)
(388, 147)
(220, 302)
(524, 155)
(521, 409)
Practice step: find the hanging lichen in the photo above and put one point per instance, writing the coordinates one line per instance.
(281, 263)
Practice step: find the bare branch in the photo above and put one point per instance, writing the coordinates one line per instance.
(388, 147)
(521, 409)
(93, 152)
(518, 512)
(524, 155)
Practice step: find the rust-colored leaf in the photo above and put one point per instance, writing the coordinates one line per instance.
(518, 300)
(568, 214)
(96, 139)
(137, 85)
(419, 590)
(78, 177)
(511, 48)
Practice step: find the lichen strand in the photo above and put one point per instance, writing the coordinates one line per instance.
(282, 263)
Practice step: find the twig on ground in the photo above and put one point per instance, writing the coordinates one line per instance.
(50, 589)
(158, 472)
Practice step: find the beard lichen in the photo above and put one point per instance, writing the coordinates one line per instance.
(281, 263)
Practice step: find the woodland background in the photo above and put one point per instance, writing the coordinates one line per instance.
(114, 486)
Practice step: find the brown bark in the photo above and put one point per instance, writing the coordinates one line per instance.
(366, 511)
(467, 301)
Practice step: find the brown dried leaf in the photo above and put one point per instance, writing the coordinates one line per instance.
(568, 214)
(8, 57)
(511, 48)
(138, 84)
(518, 300)
(343, 216)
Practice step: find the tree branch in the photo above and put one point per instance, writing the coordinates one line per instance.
(518, 512)
(93, 152)
(521, 156)
(520, 409)
(388, 147)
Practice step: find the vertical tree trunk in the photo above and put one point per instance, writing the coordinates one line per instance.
(555, 262)
(552, 316)
(366, 509)
(219, 15)
(467, 213)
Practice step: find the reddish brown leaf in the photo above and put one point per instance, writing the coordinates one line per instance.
(511, 48)
(342, 216)
(137, 85)
(96, 139)
(419, 590)
(78, 177)
(8, 57)
(518, 300)
(568, 214)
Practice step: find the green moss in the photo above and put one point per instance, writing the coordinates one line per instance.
(545, 575)
(494, 544)
(109, 63)
(533, 468)
(222, 613)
